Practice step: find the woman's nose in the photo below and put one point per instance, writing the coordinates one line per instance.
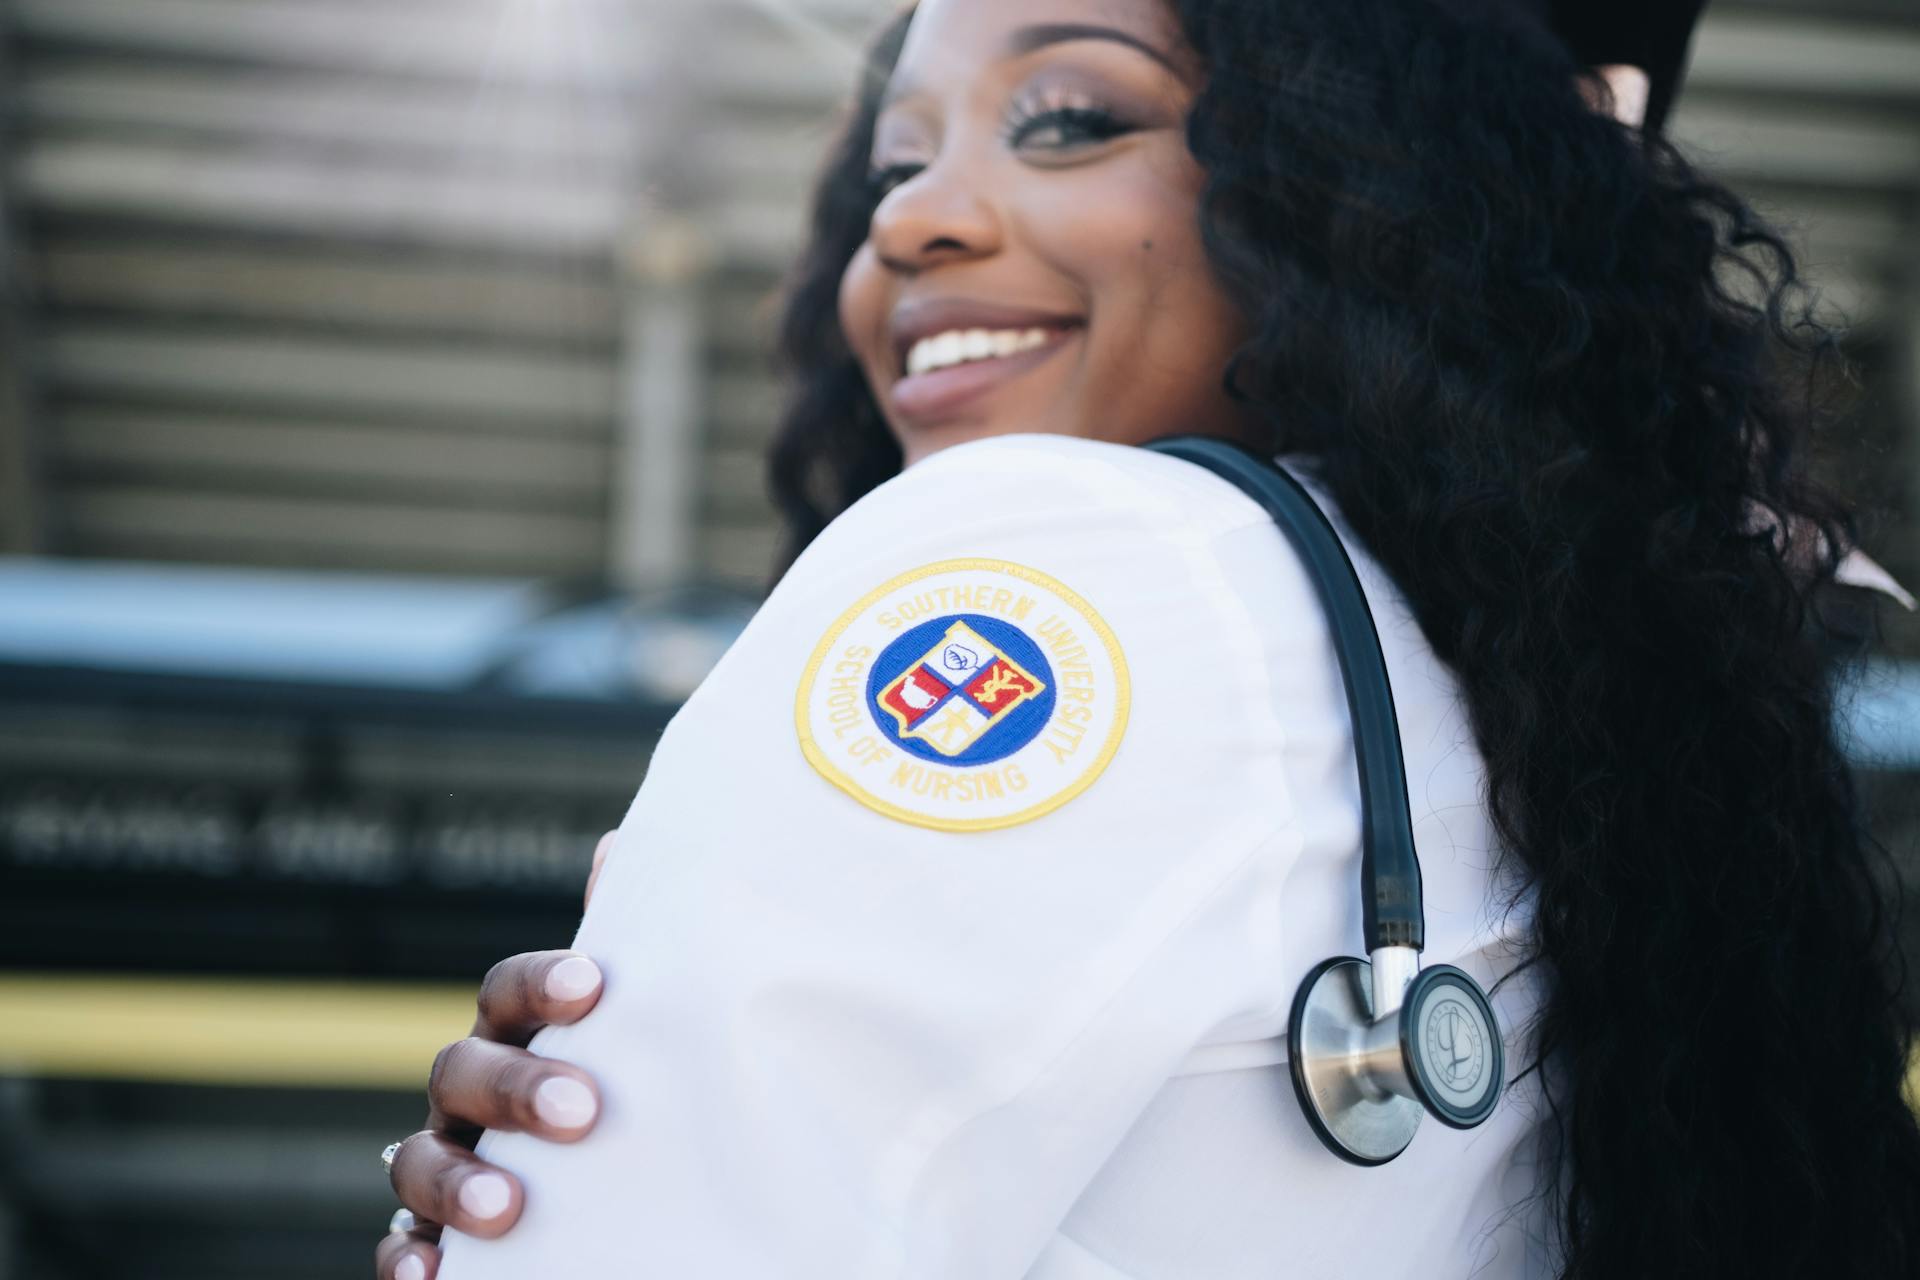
(943, 211)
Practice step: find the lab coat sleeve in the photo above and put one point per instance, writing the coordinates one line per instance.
(841, 1041)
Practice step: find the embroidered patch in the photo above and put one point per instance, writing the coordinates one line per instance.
(964, 695)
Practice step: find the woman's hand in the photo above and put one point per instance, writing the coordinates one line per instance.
(490, 1081)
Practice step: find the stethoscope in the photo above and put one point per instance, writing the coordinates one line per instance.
(1370, 1043)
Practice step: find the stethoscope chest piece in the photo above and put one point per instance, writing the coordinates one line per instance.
(1364, 1082)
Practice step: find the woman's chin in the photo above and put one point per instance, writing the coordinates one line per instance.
(925, 444)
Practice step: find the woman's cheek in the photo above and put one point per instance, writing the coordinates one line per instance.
(858, 299)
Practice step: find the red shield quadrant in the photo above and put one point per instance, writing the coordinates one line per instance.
(991, 685)
(916, 692)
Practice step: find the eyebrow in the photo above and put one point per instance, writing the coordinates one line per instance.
(1038, 36)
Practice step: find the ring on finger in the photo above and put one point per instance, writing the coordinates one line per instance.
(387, 1156)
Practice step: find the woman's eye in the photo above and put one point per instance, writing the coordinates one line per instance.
(1075, 124)
(882, 180)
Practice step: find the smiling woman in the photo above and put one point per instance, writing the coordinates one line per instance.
(1036, 176)
(955, 929)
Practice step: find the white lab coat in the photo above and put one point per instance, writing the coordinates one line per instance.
(859, 1024)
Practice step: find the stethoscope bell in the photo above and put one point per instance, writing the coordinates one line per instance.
(1363, 1081)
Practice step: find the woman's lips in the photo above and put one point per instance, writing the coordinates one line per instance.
(923, 398)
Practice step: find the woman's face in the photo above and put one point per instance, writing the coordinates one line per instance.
(1036, 174)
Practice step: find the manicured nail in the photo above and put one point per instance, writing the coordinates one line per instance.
(485, 1195)
(572, 978)
(564, 1102)
(410, 1268)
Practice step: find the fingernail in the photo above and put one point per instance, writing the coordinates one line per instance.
(485, 1195)
(410, 1268)
(564, 1102)
(572, 978)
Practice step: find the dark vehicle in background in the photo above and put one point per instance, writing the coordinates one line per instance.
(261, 833)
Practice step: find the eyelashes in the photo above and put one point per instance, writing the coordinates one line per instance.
(1091, 124)
(1094, 123)
(880, 181)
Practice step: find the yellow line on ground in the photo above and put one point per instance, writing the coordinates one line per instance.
(259, 1031)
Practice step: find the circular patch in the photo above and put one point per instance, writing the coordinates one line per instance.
(964, 695)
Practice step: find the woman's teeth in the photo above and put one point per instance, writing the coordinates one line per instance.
(958, 346)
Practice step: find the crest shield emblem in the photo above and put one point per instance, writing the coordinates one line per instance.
(956, 691)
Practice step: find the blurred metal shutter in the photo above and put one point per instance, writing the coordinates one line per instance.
(334, 282)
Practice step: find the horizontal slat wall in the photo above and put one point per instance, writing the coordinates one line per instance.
(797, 51)
(1817, 121)
(449, 466)
(309, 297)
(335, 281)
(221, 187)
(448, 382)
(319, 255)
(178, 523)
(418, 39)
(313, 109)
(1813, 113)
(326, 288)
(773, 85)
(1800, 49)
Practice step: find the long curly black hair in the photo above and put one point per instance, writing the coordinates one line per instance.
(1553, 373)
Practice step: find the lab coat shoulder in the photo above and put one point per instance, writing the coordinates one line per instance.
(1072, 553)
(973, 835)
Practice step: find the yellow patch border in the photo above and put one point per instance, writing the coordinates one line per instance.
(817, 757)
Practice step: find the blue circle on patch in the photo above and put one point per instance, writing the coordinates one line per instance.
(963, 689)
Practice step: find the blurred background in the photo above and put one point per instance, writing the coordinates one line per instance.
(383, 386)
